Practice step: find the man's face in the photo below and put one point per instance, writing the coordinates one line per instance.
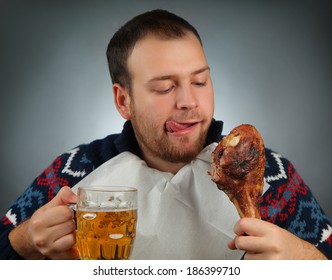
(172, 101)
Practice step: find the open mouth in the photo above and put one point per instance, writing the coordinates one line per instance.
(179, 127)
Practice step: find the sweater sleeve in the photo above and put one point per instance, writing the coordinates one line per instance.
(290, 204)
(66, 170)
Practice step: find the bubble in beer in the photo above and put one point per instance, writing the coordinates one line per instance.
(89, 216)
(116, 235)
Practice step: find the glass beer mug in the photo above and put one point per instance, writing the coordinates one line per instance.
(106, 222)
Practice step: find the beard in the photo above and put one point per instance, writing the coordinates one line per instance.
(155, 141)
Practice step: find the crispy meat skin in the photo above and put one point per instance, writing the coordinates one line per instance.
(238, 165)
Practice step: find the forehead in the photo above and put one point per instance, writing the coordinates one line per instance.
(153, 56)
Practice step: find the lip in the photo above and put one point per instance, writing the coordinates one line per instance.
(191, 126)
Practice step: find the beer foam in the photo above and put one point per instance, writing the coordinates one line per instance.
(103, 209)
(113, 204)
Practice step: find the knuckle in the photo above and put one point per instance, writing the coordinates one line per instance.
(242, 222)
(35, 224)
(70, 227)
(46, 252)
(240, 242)
(67, 213)
(240, 226)
(40, 242)
(275, 247)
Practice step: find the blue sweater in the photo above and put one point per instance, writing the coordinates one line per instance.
(288, 202)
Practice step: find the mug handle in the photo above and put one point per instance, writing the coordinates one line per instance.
(72, 206)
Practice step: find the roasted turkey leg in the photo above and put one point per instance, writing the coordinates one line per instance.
(238, 165)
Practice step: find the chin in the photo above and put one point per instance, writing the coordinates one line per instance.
(186, 153)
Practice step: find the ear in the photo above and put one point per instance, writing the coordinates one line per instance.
(122, 101)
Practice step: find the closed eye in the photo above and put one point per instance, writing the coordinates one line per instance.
(164, 91)
(202, 84)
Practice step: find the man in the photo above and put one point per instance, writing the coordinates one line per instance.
(162, 86)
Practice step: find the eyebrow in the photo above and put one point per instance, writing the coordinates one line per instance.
(169, 77)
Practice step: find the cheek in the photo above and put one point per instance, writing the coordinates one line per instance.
(207, 103)
(158, 108)
(151, 113)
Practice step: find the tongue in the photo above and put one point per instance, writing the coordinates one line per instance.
(173, 126)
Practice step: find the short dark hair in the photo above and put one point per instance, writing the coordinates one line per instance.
(160, 23)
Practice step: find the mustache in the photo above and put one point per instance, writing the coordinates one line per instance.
(183, 116)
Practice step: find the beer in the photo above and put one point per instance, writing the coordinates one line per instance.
(105, 234)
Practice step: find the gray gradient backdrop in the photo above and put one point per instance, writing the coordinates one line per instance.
(270, 61)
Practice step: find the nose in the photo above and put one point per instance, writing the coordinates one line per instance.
(185, 98)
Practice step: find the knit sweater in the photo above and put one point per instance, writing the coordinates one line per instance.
(288, 202)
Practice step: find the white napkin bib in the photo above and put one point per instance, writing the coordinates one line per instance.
(181, 216)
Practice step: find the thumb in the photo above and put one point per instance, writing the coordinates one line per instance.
(63, 197)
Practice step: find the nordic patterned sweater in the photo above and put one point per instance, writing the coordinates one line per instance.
(288, 202)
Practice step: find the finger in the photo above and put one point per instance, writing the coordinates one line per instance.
(50, 217)
(251, 244)
(63, 248)
(45, 238)
(231, 244)
(250, 226)
(58, 231)
(64, 196)
(64, 243)
(71, 254)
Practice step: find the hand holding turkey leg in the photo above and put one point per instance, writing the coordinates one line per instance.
(263, 240)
